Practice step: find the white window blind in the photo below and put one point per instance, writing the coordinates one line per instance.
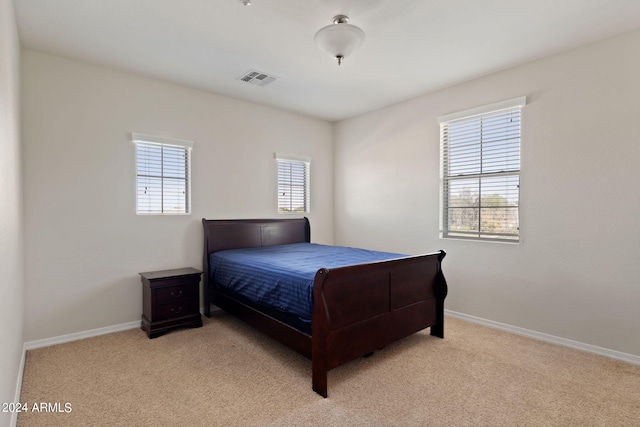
(293, 183)
(480, 172)
(163, 175)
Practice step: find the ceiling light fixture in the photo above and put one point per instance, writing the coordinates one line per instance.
(246, 2)
(339, 39)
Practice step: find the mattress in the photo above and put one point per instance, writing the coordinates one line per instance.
(281, 277)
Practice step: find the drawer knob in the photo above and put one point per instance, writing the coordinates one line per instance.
(176, 310)
(176, 294)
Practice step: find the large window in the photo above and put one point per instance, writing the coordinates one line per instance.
(163, 171)
(480, 172)
(293, 183)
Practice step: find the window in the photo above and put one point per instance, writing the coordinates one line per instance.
(480, 172)
(163, 175)
(293, 183)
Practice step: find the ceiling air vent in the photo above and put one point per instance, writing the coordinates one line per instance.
(257, 78)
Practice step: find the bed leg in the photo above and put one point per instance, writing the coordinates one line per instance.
(440, 290)
(319, 379)
(437, 330)
(319, 373)
(207, 304)
(206, 295)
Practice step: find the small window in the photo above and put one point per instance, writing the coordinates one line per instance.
(163, 175)
(293, 183)
(480, 172)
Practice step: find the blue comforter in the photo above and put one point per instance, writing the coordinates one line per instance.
(282, 276)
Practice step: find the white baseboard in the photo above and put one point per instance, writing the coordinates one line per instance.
(30, 345)
(625, 357)
(14, 415)
(46, 342)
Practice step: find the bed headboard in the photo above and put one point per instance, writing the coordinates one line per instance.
(221, 234)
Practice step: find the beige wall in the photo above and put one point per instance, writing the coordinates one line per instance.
(84, 243)
(574, 274)
(11, 228)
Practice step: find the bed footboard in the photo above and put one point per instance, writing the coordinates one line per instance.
(361, 308)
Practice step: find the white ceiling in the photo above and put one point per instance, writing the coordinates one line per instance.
(412, 46)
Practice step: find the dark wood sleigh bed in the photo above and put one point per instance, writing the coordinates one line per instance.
(357, 309)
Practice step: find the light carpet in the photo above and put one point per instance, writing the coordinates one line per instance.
(227, 374)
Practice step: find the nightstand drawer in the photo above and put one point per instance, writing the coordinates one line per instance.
(176, 309)
(177, 293)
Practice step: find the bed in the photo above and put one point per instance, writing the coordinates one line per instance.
(356, 309)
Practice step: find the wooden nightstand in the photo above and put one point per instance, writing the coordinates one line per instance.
(170, 298)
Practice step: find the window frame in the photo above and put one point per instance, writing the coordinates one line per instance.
(299, 161)
(509, 177)
(179, 147)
